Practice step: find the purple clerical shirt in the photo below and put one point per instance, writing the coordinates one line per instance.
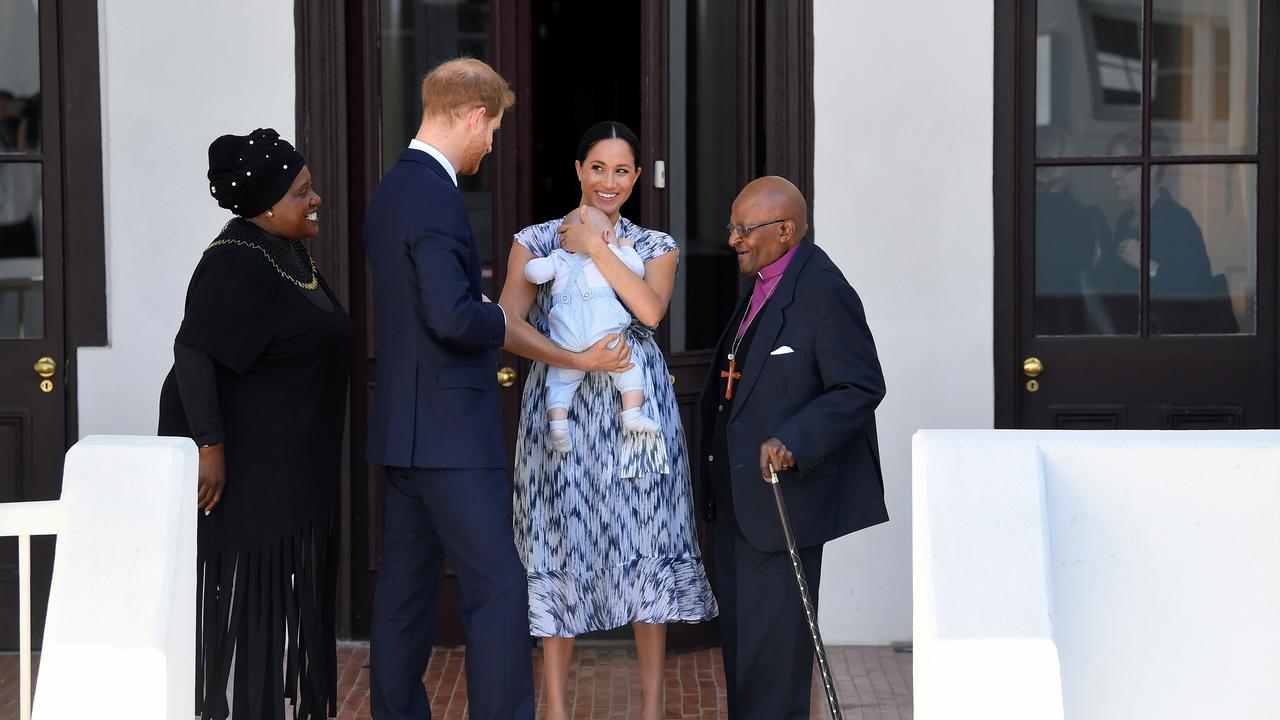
(766, 282)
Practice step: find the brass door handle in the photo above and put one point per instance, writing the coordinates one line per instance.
(1032, 367)
(45, 367)
(506, 377)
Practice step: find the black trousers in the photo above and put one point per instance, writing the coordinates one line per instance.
(461, 515)
(768, 653)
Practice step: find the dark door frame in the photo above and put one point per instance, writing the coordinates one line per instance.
(321, 137)
(1005, 181)
(337, 126)
(1014, 34)
(69, 60)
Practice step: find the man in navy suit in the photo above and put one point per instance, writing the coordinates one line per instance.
(795, 384)
(436, 425)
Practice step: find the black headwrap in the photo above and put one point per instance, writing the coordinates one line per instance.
(249, 173)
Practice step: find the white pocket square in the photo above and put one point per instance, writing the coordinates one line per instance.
(784, 350)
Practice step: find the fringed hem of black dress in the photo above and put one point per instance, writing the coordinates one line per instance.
(270, 610)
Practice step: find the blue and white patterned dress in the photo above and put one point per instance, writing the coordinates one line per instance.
(606, 531)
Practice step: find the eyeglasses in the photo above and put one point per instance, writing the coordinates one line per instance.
(742, 230)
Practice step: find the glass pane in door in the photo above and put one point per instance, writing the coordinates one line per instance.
(1204, 74)
(415, 37)
(1203, 249)
(19, 77)
(1083, 282)
(21, 256)
(704, 168)
(1088, 74)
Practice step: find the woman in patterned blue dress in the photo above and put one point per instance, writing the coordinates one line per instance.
(606, 531)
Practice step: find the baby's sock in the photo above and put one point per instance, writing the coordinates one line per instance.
(560, 436)
(633, 421)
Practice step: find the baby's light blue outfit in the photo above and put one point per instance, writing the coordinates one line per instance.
(584, 309)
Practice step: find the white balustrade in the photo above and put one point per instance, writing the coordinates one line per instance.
(1096, 574)
(119, 637)
(24, 520)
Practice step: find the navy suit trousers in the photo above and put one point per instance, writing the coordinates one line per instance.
(460, 514)
(768, 652)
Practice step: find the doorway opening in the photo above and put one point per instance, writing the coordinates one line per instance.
(586, 69)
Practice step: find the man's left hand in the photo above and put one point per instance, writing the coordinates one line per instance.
(772, 451)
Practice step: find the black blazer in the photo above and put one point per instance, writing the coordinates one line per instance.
(435, 402)
(819, 400)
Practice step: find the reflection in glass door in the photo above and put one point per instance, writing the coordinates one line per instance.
(1152, 227)
(705, 170)
(1146, 278)
(21, 260)
(21, 208)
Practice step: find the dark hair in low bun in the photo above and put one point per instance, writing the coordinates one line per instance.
(608, 130)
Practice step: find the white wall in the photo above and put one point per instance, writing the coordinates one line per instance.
(903, 99)
(175, 75)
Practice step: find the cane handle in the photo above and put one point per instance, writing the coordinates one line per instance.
(773, 475)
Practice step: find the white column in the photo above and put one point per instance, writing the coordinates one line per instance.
(119, 639)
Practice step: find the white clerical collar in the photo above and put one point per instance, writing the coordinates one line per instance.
(416, 144)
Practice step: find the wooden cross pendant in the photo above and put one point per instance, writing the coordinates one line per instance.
(732, 375)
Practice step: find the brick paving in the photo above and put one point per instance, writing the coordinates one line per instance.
(874, 683)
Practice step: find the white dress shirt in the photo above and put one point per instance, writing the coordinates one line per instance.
(416, 144)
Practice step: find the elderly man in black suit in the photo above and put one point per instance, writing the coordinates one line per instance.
(795, 385)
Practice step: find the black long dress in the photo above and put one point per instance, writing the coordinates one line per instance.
(267, 554)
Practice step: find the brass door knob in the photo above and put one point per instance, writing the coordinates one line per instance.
(1032, 367)
(45, 367)
(506, 377)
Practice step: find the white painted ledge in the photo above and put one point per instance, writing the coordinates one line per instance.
(1096, 574)
(119, 637)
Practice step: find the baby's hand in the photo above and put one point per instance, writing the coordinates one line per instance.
(626, 242)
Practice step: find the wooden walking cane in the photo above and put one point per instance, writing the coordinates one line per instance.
(810, 615)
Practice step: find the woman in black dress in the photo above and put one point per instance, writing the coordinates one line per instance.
(259, 382)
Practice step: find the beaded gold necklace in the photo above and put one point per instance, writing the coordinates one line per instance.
(311, 284)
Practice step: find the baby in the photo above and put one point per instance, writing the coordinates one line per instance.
(585, 309)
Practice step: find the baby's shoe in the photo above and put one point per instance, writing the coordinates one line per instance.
(633, 421)
(560, 436)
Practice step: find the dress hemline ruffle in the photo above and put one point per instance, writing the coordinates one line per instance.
(655, 590)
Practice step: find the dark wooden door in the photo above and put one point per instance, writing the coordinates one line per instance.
(1136, 215)
(33, 362)
(538, 47)
(390, 46)
(684, 75)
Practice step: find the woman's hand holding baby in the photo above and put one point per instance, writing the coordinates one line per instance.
(611, 354)
(581, 237)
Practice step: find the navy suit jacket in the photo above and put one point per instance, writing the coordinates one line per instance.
(819, 400)
(435, 402)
